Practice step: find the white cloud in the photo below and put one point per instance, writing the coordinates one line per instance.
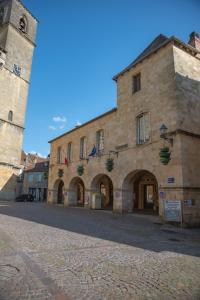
(52, 127)
(60, 119)
(78, 123)
(61, 123)
(62, 126)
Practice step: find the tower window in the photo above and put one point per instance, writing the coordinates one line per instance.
(136, 83)
(10, 116)
(83, 147)
(69, 152)
(23, 24)
(143, 128)
(100, 141)
(59, 158)
(1, 14)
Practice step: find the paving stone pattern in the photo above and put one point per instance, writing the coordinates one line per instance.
(52, 252)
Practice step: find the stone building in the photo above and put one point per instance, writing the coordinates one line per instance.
(114, 160)
(35, 180)
(17, 42)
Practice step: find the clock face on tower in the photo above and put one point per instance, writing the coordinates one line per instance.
(1, 14)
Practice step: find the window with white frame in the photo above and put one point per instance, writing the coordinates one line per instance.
(39, 177)
(83, 147)
(59, 155)
(100, 141)
(69, 152)
(143, 128)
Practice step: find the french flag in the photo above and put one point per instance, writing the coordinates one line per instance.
(66, 161)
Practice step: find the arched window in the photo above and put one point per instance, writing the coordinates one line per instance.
(23, 24)
(10, 116)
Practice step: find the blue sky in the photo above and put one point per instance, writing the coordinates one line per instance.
(81, 45)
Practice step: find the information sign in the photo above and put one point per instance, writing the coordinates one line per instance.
(173, 210)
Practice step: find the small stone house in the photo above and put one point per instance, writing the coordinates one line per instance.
(36, 181)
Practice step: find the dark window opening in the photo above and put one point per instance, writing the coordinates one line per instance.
(23, 25)
(10, 116)
(136, 83)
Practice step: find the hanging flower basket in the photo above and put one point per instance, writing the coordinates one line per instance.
(60, 173)
(165, 155)
(45, 175)
(109, 164)
(80, 170)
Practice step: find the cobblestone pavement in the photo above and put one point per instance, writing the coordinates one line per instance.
(51, 252)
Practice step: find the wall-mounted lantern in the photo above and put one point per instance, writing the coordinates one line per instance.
(165, 135)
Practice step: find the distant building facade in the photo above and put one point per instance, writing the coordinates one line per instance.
(17, 43)
(144, 152)
(35, 181)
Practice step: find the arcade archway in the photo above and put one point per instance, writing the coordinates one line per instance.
(140, 192)
(76, 194)
(103, 186)
(59, 191)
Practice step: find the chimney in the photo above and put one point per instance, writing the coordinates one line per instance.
(194, 40)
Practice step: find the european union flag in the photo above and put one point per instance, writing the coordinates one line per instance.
(94, 151)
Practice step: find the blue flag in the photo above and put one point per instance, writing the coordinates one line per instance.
(94, 151)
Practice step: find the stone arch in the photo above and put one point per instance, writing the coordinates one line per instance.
(76, 192)
(102, 186)
(59, 191)
(140, 192)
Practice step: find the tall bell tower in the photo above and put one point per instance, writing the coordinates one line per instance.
(17, 42)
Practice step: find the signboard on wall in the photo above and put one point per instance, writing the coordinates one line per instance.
(173, 210)
(170, 180)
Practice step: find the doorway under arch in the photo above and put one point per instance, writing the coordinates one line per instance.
(140, 192)
(102, 185)
(76, 192)
(59, 191)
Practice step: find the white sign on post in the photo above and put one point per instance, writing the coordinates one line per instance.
(173, 210)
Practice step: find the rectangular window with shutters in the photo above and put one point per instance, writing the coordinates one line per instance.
(59, 155)
(143, 128)
(100, 142)
(83, 147)
(69, 152)
(136, 83)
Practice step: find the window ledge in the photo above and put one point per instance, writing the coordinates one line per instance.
(144, 144)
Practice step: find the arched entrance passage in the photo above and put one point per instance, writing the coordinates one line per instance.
(140, 192)
(59, 191)
(76, 195)
(102, 185)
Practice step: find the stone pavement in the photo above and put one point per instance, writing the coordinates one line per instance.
(52, 252)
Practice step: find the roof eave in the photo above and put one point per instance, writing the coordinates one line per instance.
(88, 122)
(172, 39)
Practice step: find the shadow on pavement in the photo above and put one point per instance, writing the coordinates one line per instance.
(140, 231)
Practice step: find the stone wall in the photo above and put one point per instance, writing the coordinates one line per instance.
(19, 48)
(166, 93)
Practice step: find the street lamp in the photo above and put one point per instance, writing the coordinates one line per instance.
(165, 135)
